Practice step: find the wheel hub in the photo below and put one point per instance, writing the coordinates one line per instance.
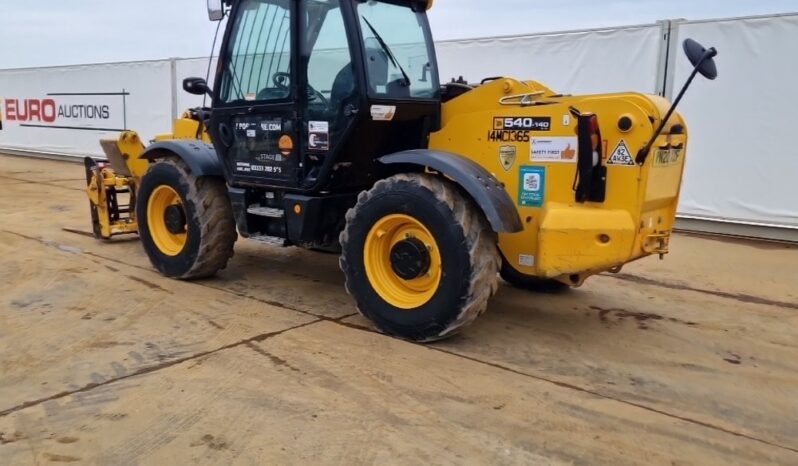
(402, 261)
(166, 220)
(410, 259)
(175, 219)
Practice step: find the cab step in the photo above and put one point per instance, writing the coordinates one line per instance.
(270, 240)
(270, 212)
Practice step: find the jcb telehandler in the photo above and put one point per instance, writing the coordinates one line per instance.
(329, 130)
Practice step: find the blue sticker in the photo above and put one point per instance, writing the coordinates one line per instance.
(532, 187)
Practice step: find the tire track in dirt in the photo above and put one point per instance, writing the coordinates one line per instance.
(339, 321)
(43, 183)
(154, 368)
(740, 297)
(619, 400)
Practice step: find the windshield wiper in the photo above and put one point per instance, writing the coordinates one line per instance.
(388, 52)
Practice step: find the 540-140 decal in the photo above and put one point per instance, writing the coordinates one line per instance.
(517, 129)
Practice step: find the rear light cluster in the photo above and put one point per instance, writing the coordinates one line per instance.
(595, 140)
(590, 184)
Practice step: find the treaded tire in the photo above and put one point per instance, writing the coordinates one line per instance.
(210, 225)
(468, 248)
(529, 283)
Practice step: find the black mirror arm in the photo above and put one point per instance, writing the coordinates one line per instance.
(644, 152)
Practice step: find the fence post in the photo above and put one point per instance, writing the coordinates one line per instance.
(662, 60)
(668, 54)
(173, 77)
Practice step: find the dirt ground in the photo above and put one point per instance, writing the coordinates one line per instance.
(102, 361)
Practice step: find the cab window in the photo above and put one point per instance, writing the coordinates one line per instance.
(398, 51)
(258, 62)
(330, 74)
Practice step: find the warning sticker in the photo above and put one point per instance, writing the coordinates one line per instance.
(319, 135)
(383, 112)
(532, 187)
(556, 149)
(621, 156)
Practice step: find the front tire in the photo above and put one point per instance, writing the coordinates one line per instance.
(419, 258)
(186, 222)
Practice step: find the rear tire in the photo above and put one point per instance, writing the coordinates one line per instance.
(462, 263)
(530, 283)
(205, 244)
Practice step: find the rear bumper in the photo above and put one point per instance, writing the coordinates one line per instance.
(579, 240)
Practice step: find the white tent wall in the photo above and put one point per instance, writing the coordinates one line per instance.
(579, 62)
(742, 162)
(67, 110)
(186, 68)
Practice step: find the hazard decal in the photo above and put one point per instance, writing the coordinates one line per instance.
(621, 156)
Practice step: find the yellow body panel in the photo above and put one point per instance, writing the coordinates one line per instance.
(132, 148)
(185, 128)
(564, 239)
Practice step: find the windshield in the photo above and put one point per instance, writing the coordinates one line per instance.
(399, 53)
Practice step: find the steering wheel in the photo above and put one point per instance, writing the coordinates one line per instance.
(317, 98)
(281, 79)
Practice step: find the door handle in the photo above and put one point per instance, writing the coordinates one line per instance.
(350, 110)
(225, 135)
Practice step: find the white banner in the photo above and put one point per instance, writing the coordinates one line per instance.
(742, 161)
(587, 62)
(67, 110)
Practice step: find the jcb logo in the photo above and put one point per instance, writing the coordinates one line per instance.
(521, 123)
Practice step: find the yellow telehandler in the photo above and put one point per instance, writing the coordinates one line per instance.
(329, 130)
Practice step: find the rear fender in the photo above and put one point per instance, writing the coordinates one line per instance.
(484, 188)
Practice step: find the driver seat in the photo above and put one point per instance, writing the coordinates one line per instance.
(343, 86)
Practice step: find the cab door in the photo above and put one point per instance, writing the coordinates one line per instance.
(330, 102)
(254, 119)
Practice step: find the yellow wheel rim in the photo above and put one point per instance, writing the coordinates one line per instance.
(169, 243)
(400, 293)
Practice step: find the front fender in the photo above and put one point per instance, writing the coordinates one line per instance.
(484, 188)
(200, 157)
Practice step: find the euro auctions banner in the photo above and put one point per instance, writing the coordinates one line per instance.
(75, 111)
(67, 110)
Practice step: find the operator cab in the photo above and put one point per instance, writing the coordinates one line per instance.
(309, 93)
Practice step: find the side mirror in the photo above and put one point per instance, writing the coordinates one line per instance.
(420, 6)
(215, 10)
(702, 59)
(196, 86)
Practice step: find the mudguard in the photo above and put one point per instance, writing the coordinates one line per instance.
(201, 158)
(484, 188)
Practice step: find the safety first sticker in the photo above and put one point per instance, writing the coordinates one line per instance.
(532, 187)
(555, 149)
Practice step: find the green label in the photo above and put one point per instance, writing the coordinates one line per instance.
(532, 187)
